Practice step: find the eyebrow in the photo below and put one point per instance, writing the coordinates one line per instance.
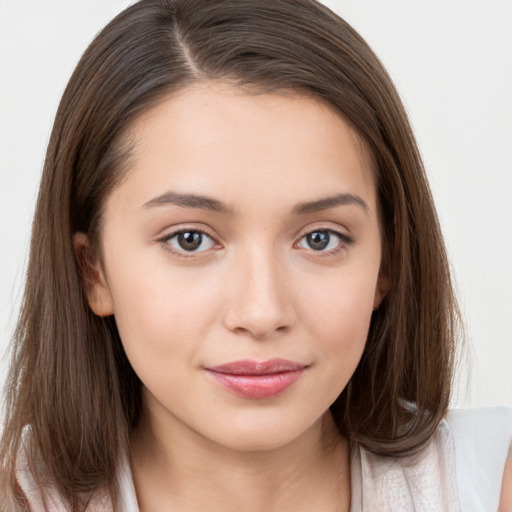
(330, 202)
(214, 205)
(190, 201)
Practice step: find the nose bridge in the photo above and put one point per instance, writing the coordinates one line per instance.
(260, 296)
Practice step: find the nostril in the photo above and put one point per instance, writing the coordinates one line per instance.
(261, 309)
(260, 334)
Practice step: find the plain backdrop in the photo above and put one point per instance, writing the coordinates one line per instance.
(452, 63)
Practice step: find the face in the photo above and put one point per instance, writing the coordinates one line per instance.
(240, 257)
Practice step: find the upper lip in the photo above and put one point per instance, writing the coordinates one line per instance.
(248, 367)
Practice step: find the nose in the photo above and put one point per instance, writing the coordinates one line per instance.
(260, 296)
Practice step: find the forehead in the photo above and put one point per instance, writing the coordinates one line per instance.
(221, 140)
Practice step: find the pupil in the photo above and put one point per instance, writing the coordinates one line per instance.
(190, 240)
(318, 240)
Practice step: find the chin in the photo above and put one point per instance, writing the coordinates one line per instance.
(261, 436)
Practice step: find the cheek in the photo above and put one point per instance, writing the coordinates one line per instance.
(338, 315)
(156, 310)
(162, 331)
(341, 330)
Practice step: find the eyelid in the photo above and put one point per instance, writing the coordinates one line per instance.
(325, 226)
(200, 228)
(346, 240)
(164, 240)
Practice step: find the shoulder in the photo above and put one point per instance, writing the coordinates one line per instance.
(492, 422)
(460, 469)
(482, 438)
(422, 482)
(39, 490)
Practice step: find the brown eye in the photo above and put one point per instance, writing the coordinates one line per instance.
(324, 240)
(189, 241)
(318, 240)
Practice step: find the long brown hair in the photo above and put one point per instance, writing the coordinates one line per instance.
(70, 380)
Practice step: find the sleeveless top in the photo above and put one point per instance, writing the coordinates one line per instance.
(459, 470)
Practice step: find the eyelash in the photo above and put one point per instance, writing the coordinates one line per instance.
(164, 241)
(345, 241)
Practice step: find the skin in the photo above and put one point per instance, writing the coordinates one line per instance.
(506, 489)
(255, 289)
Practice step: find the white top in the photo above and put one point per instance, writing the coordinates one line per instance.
(460, 470)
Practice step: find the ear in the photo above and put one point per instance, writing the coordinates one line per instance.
(93, 276)
(381, 290)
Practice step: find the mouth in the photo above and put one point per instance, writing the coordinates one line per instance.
(257, 380)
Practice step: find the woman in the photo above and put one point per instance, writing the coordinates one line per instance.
(238, 293)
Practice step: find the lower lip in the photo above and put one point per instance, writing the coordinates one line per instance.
(257, 386)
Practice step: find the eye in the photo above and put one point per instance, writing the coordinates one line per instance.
(188, 241)
(324, 240)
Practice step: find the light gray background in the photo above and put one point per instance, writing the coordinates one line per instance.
(452, 62)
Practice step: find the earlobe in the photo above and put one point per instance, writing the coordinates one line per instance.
(381, 290)
(93, 277)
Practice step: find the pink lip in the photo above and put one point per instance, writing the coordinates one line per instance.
(252, 379)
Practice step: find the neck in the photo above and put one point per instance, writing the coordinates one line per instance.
(176, 469)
